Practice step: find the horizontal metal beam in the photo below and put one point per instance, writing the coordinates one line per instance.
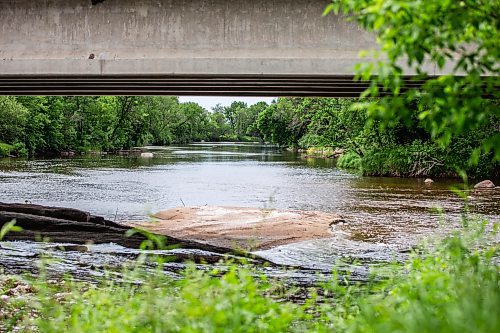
(182, 85)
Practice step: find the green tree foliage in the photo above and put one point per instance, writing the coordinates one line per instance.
(218, 127)
(191, 124)
(307, 122)
(231, 113)
(251, 119)
(406, 148)
(49, 125)
(284, 122)
(238, 121)
(162, 119)
(418, 36)
(58, 124)
(13, 117)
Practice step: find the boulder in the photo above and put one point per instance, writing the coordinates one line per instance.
(66, 225)
(428, 181)
(485, 184)
(241, 228)
(147, 155)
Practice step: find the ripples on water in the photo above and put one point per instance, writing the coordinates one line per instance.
(378, 210)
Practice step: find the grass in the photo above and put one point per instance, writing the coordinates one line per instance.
(200, 302)
(451, 286)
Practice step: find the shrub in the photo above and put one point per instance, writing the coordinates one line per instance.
(200, 302)
(349, 160)
(415, 160)
(17, 149)
(450, 288)
(425, 159)
(5, 149)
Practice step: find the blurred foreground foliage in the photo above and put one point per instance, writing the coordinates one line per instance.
(450, 285)
(429, 38)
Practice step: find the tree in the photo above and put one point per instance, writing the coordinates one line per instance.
(191, 124)
(250, 127)
(218, 129)
(161, 115)
(240, 120)
(461, 36)
(284, 122)
(13, 116)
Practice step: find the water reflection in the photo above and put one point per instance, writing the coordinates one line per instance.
(377, 209)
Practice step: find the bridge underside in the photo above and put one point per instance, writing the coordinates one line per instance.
(185, 85)
(179, 47)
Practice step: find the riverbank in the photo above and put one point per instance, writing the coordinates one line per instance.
(409, 161)
(240, 298)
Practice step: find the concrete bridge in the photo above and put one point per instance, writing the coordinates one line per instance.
(177, 47)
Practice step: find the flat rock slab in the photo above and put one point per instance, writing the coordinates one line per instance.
(240, 228)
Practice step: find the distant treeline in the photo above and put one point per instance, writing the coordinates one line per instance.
(50, 125)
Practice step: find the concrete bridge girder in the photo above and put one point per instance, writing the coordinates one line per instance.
(206, 39)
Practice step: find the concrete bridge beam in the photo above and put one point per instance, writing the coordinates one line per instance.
(88, 46)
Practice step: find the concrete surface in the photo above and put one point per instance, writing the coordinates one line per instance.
(212, 39)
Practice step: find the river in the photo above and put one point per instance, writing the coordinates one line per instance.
(380, 213)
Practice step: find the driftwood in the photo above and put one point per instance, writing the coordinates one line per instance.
(65, 225)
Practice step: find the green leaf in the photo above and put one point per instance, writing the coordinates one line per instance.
(441, 62)
(9, 227)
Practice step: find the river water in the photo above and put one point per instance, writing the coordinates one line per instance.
(380, 213)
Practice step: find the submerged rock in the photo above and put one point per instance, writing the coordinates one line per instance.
(428, 181)
(485, 184)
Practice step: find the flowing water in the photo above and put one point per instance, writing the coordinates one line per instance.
(384, 216)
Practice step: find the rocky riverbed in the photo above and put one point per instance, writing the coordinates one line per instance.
(87, 246)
